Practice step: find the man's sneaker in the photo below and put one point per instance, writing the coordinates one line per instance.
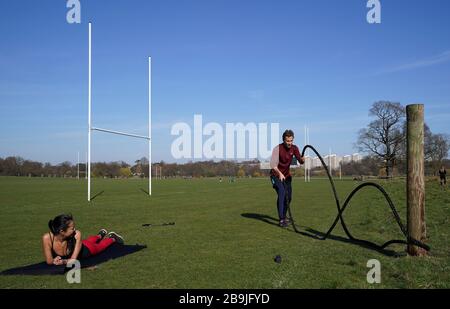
(283, 223)
(102, 233)
(287, 220)
(116, 237)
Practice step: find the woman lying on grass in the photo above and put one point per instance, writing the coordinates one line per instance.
(63, 242)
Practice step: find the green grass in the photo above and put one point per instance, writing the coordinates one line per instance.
(216, 243)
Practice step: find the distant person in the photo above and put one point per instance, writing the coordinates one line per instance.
(63, 242)
(280, 175)
(443, 176)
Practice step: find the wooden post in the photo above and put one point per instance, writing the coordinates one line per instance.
(415, 185)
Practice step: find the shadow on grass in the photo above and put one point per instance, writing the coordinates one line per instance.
(386, 252)
(273, 221)
(98, 194)
(264, 218)
(143, 190)
(312, 233)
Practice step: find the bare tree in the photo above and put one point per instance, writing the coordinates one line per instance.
(384, 136)
(64, 169)
(428, 143)
(32, 168)
(439, 146)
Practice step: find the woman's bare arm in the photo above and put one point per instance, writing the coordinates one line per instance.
(78, 245)
(46, 247)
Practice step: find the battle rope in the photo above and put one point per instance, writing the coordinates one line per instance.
(339, 217)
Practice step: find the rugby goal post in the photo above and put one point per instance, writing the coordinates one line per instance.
(92, 128)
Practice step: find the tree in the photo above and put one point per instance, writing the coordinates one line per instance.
(138, 167)
(241, 172)
(65, 168)
(49, 169)
(439, 145)
(32, 168)
(384, 136)
(436, 147)
(99, 169)
(428, 140)
(12, 166)
(368, 166)
(125, 172)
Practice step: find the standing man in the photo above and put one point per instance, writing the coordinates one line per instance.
(443, 176)
(280, 174)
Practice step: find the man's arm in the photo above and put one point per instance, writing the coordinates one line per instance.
(298, 155)
(274, 162)
(280, 174)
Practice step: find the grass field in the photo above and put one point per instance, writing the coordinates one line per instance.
(225, 234)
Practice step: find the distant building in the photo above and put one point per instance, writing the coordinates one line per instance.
(333, 161)
(356, 157)
(264, 165)
(309, 161)
(347, 159)
(316, 162)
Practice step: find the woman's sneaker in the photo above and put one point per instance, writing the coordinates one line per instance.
(116, 237)
(102, 233)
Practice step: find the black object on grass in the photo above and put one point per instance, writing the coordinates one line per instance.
(113, 252)
(163, 224)
(277, 259)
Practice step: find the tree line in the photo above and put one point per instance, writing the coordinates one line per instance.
(18, 166)
(383, 140)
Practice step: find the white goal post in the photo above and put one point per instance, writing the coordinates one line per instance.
(91, 128)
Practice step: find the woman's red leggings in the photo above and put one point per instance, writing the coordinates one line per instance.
(95, 246)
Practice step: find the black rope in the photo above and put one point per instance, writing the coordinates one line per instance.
(340, 218)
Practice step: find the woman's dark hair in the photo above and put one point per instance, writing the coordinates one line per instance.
(288, 133)
(59, 223)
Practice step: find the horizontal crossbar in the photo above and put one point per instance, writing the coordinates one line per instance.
(120, 133)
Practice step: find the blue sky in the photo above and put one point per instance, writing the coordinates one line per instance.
(316, 63)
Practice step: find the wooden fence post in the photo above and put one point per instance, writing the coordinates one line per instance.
(415, 185)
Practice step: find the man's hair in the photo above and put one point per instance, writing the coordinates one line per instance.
(288, 133)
